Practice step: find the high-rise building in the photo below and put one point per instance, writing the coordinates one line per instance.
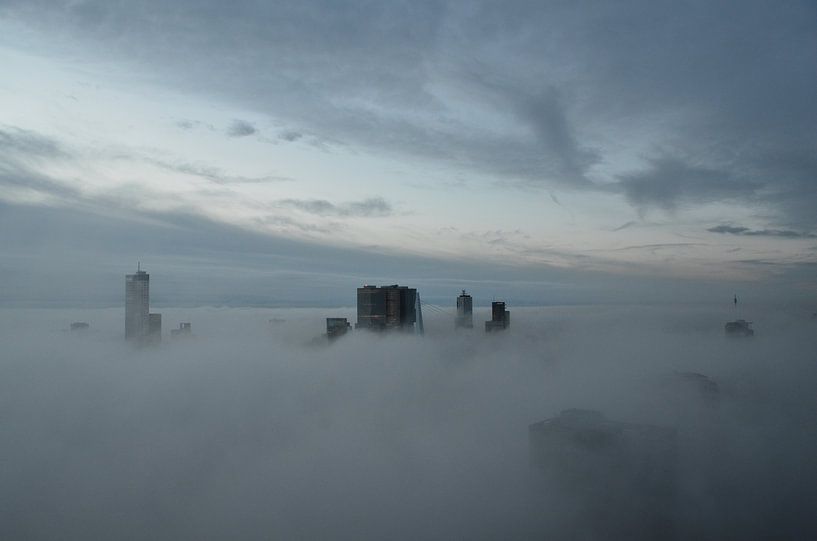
(154, 328)
(465, 311)
(500, 318)
(336, 327)
(386, 307)
(141, 326)
(137, 300)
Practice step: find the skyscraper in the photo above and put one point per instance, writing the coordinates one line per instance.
(137, 299)
(500, 318)
(386, 307)
(336, 327)
(141, 327)
(465, 311)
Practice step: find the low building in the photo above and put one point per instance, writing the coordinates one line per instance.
(739, 327)
(184, 330)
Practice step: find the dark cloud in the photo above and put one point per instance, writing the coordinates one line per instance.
(728, 229)
(18, 144)
(19, 177)
(241, 128)
(745, 231)
(372, 207)
(546, 114)
(724, 84)
(21, 151)
(670, 182)
(729, 88)
(290, 135)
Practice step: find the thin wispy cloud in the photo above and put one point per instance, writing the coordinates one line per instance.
(746, 232)
(366, 208)
(217, 175)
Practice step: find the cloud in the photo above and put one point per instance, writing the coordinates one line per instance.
(241, 128)
(624, 226)
(541, 96)
(18, 144)
(290, 135)
(670, 182)
(745, 231)
(367, 208)
(21, 152)
(217, 175)
(545, 112)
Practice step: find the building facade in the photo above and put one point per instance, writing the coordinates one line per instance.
(500, 318)
(137, 309)
(154, 335)
(386, 307)
(336, 327)
(465, 311)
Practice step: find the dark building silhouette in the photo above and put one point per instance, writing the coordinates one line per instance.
(620, 478)
(465, 311)
(739, 327)
(336, 327)
(500, 318)
(386, 307)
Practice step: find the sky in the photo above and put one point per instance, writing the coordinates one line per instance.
(280, 152)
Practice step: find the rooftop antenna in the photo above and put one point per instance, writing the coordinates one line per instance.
(138, 266)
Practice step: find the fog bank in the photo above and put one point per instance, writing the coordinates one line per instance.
(255, 429)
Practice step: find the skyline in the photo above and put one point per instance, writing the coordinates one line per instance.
(559, 154)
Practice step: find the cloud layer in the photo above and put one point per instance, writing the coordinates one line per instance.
(675, 102)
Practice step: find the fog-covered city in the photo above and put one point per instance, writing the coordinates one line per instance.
(408, 269)
(257, 427)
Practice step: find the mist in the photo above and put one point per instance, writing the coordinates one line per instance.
(258, 428)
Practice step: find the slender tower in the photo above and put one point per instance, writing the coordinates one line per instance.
(137, 310)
